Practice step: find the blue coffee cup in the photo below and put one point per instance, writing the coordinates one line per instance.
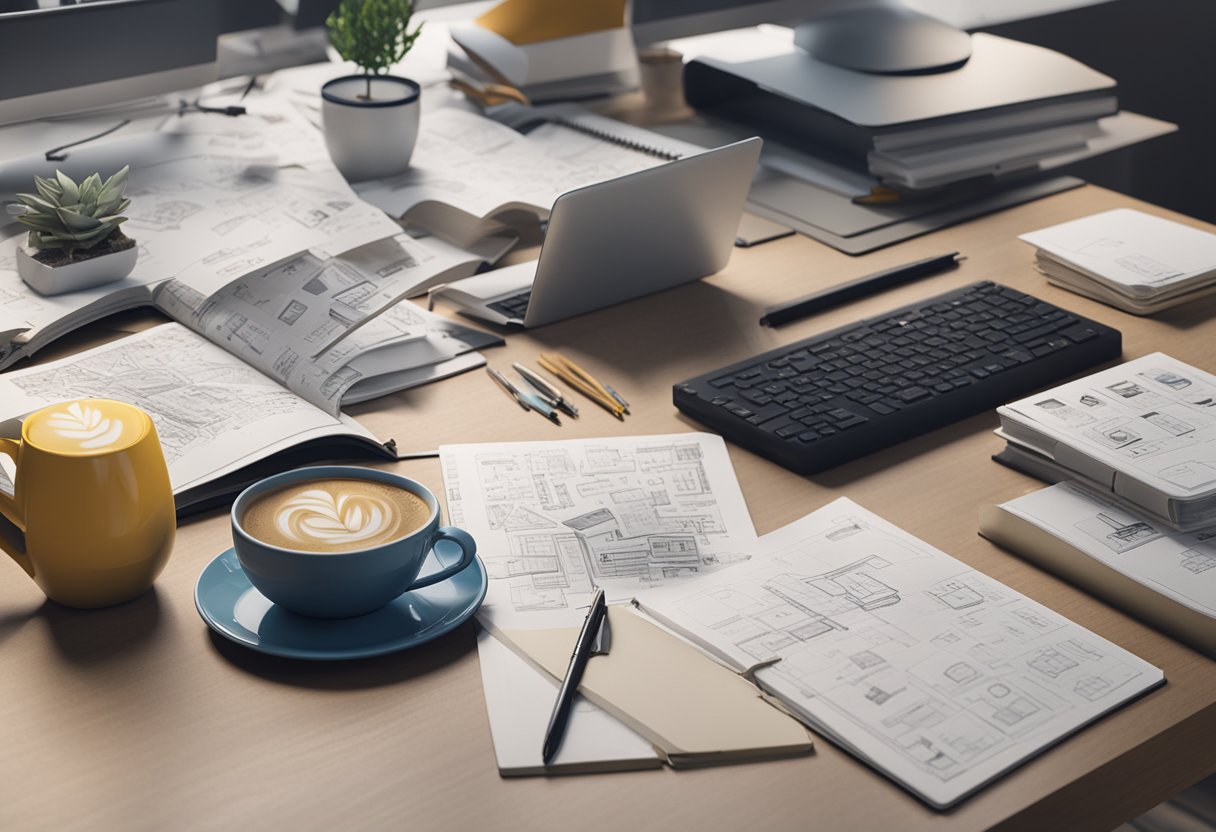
(344, 584)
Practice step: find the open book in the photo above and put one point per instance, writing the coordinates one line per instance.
(222, 424)
(935, 674)
(484, 170)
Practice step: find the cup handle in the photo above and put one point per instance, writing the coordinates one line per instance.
(468, 550)
(8, 506)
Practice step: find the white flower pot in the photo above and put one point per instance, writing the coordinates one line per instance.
(84, 274)
(370, 138)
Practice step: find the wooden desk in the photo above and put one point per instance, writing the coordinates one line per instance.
(138, 718)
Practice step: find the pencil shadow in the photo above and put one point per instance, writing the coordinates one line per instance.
(352, 674)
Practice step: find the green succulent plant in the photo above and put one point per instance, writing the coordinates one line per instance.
(374, 34)
(69, 216)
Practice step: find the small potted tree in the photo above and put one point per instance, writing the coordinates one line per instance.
(371, 119)
(74, 241)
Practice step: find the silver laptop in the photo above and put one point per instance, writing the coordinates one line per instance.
(621, 239)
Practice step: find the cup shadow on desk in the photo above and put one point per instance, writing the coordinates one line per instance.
(347, 674)
(94, 637)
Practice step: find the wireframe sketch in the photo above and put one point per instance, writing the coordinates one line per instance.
(1118, 533)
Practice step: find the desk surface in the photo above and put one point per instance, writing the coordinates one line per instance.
(137, 717)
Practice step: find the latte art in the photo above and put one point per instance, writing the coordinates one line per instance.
(335, 515)
(316, 516)
(86, 426)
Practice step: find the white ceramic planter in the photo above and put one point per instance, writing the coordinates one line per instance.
(370, 138)
(96, 271)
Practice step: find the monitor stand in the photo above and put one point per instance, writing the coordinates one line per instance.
(885, 38)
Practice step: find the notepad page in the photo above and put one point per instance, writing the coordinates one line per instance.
(935, 674)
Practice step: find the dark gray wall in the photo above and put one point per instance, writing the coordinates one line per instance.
(1163, 55)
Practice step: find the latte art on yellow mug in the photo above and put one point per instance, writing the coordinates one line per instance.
(334, 515)
(89, 426)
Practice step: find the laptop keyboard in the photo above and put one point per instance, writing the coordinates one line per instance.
(514, 306)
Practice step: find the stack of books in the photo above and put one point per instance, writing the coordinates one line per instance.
(1133, 516)
(1127, 259)
(1013, 107)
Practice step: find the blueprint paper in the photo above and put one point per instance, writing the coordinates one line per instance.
(932, 672)
(555, 520)
(1178, 565)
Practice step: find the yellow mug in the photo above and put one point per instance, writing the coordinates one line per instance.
(92, 500)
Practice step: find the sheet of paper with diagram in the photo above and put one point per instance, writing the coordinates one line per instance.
(1145, 430)
(1166, 577)
(214, 414)
(554, 520)
(201, 213)
(333, 330)
(933, 673)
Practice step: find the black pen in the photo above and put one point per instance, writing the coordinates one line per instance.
(859, 288)
(574, 674)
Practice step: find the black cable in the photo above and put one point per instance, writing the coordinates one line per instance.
(55, 154)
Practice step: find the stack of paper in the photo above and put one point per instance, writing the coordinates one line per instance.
(1130, 260)
(1143, 432)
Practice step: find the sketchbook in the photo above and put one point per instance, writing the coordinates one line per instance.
(1164, 577)
(222, 424)
(931, 672)
(1144, 431)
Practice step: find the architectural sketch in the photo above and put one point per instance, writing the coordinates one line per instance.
(932, 671)
(554, 520)
(212, 411)
(1179, 565)
(1117, 530)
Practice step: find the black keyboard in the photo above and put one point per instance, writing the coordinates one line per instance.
(514, 306)
(833, 397)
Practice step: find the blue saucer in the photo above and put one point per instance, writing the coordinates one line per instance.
(234, 609)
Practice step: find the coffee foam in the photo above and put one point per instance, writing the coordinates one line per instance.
(335, 515)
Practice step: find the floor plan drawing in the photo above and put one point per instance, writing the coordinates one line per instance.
(933, 671)
(210, 409)
(555, 520)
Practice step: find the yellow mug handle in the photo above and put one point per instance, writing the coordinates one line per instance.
(8, 506)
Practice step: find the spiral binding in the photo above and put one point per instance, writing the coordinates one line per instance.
(632, 144)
